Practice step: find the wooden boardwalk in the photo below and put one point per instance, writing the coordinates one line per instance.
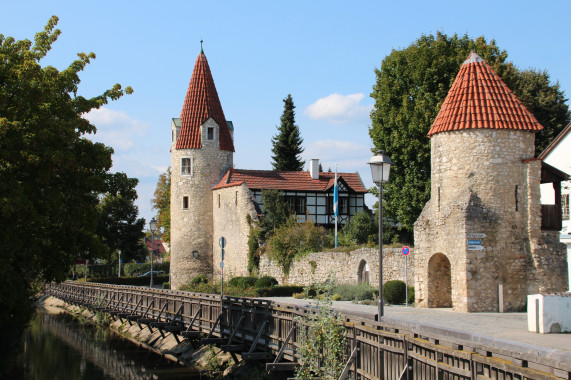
(263, 330)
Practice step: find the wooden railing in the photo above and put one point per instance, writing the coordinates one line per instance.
(263, 330)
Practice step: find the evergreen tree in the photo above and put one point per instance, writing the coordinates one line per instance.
(162, 203)
(287, 143)
(118, 227)
(412, 84)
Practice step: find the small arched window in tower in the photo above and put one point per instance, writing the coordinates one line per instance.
(438, 198)
(185, 202)
(210, 133)
(516, 198)
(236, 201)
(186, 166)
(218, 200)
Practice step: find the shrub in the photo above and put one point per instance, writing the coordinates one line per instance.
(295, 240)
(394, 292)
(298, 295)
(200, 279)
(355, 292)
(411, 295)
(166, 285)
(336, 297)
(243, 282)
(266, 282)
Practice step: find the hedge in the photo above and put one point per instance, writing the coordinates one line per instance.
(279, 291)
(135, 281)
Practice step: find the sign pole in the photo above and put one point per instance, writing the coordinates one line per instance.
(405, 252)
(406, 278)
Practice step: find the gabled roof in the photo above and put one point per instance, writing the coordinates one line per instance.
(201, 102)
(288, 180)
(555, 142)
(479, 99)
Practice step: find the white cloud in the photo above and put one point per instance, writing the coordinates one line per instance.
(339, 109)
(116, 128)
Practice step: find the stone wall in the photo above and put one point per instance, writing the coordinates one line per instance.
(192, 228)
(231, 208)
(317, 266)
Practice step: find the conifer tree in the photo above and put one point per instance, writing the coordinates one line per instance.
(287, 143)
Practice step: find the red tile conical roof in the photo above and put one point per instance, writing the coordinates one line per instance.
(480, 99)
(200, 103)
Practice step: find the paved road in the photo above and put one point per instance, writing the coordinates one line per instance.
(505, 329)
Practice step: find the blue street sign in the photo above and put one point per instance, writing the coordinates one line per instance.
(474, 242)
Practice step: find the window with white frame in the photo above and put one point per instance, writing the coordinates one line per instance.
(186, 166)
(565, 206)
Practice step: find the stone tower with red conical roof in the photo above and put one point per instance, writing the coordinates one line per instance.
(479, 245)
(202, 150)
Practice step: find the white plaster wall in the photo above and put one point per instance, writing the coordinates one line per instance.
(554, 313)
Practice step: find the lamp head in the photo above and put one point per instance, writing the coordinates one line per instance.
(380, 167)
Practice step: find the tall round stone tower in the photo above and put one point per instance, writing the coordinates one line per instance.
(201, 150)
(479, 242)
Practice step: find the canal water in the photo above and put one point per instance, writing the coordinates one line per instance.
(55, 347)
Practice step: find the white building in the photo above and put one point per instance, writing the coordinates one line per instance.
(558, 155)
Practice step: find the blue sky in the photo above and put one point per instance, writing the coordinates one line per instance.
(322, 52)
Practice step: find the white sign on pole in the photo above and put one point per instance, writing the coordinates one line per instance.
(475, 235)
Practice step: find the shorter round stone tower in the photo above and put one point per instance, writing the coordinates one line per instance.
(478, 239)
(201, 151)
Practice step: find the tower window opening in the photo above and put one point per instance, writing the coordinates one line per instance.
(218, 200)
(236, 201)
(210, 133)
(186, 166)
(438, 198)
(516, 198)
(185, 202)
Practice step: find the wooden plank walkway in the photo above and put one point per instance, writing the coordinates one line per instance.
(260, 329)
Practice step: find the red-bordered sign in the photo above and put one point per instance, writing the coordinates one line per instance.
(405, 250)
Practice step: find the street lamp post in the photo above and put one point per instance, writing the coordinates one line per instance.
(153, 225)
(380, 169)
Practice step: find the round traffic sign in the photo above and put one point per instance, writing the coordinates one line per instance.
(405, 250)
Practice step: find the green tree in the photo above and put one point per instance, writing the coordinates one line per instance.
(50, 174)
(412, 84)
(118, 226)
(287, 143)
(357, 231)
(276, 210)
(162, 203)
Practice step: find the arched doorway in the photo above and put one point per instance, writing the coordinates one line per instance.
(363, 273)
(439, 281)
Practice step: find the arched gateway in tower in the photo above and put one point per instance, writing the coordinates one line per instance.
(201, 151)
(479, 242)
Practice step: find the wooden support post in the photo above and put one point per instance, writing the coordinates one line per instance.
(349, 362)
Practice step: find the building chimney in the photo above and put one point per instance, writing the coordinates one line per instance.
(314, 168)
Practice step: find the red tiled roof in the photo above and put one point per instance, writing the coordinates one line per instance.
(200, 103)
(158, 245)
(480, 99)
(290, 180)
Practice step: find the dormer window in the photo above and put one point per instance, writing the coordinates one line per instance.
(210, 133)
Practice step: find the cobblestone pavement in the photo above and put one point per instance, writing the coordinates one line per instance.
(505, 329)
